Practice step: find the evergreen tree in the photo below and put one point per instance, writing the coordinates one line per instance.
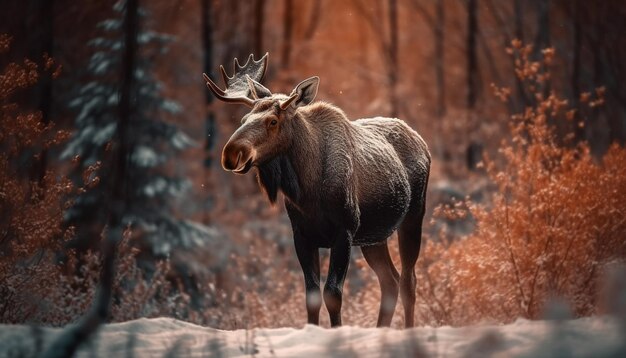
(152, 142)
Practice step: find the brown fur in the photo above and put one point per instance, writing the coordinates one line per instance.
(345, 184)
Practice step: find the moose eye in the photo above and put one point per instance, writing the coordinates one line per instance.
(273, 122)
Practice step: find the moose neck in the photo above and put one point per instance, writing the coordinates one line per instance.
(296, 170)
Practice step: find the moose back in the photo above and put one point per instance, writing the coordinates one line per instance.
(346, 184)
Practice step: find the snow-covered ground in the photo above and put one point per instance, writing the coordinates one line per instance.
(160, 337)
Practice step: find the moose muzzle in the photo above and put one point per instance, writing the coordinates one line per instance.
(237, 158)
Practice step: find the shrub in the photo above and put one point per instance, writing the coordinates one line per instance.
(555, 222)
(40, 279)
(31, 210)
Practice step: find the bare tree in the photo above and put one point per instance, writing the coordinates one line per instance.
(259, 20)
(388, 44)
(519, 20)
(472, 59)
(576, 66)
(207, 46)
(210, 135)
(437, 26)
(287, 32)
(316, 14)
(518, 34)
(542, 40)
(41, 18)
(439, 58)
(473, 151)
(393, 56)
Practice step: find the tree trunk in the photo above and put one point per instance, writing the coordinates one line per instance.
(519, 34)
(392, 69)
(576, 24)
(316, 12)
(472, 60)
(519, 102)
(601, 133)
(543, 25)
(287, 32)
(119, 192)
(210, 134)
(439, 59)
(207, 46)
(542, 40)
(473, 151)
(259, 20)
(45, 20)
(519, 20)
(73, 337)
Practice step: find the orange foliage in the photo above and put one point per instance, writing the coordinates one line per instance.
(35, 284)
(556, 221)
(31, 211)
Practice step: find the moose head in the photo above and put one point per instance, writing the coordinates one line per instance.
(265, 132)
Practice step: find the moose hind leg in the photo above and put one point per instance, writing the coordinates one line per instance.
(339, 260)
(377, 257)
(409, 241)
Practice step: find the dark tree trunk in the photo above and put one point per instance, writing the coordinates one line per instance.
(542, 40)
(439, 59)
(576, 24)
(121, 155)
(543, 25)
(210, 134)
(519, 20)
(474, 150)
(603, 133)
(45, 21)
(72, 338)
(519, 34)
(207, 46)
(259, 20)
(393, 56)
(119, 201)
(232, 17)
(287, 32)
(518, 103)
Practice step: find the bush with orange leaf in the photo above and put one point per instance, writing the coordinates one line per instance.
(40, 279)
(31, 209)
(557, 220)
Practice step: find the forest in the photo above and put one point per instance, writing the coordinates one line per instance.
(112, 190)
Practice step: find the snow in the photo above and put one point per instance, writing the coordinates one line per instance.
(158, 337)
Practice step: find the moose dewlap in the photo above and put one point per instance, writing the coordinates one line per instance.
(346, 183)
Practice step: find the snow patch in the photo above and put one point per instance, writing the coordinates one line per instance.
(157, 337)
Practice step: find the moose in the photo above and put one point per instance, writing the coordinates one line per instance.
(345, 184)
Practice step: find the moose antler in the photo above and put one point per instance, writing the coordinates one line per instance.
(237, 88)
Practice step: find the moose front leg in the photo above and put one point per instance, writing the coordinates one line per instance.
(310, 263)
(339, 260)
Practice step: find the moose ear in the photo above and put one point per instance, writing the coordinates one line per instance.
(257, 90)
(303, 94)
(306, 90)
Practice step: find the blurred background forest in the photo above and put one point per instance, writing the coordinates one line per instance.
(106, 122)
